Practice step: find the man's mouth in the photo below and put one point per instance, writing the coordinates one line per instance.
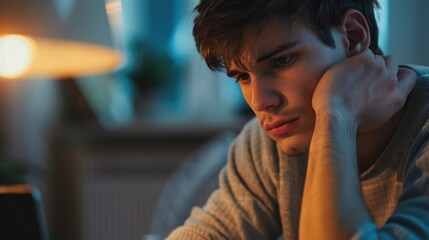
(281, 128)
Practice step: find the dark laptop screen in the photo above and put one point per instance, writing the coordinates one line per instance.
(21, 216)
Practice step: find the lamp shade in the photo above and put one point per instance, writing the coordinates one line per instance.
(55, 38)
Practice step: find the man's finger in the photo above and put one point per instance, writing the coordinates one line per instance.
(391, 63)
(406, 80)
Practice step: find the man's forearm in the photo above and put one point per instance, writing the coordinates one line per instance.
(332, 206)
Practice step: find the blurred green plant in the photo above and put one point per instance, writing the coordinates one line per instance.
(150, 68)
(11, 173)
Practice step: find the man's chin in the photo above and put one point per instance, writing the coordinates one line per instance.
(293, 150)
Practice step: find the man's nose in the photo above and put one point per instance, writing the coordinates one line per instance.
(264, 95)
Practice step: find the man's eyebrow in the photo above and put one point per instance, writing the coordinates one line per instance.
(278, 49)
(266, 56)
(232, 73)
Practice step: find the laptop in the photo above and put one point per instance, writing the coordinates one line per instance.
(21, 213)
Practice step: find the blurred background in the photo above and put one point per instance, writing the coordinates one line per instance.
(124, 154)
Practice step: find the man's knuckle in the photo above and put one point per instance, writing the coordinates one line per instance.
(392, 84)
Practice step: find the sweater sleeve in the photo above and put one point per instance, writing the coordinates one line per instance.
(245, 205)
(410, 220)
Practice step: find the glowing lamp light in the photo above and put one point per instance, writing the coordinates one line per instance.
(56, 38)
(16, 53)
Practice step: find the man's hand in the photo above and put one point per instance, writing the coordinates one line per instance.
(366, 87)
(360, 93)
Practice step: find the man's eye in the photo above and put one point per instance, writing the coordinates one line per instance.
(284, 60)
(243, 78)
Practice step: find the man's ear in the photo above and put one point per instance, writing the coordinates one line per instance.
(356, 32)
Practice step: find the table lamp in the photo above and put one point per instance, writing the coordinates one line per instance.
(59, 39)
(55, 39)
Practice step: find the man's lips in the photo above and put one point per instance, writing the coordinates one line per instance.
(281, 128)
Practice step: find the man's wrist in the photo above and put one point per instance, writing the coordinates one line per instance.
(338, 118)
(335, 132)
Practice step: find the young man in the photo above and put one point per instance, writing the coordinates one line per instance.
(340, 147)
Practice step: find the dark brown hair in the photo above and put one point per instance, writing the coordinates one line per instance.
(219, 25)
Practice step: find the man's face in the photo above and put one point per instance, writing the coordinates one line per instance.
(283, 66)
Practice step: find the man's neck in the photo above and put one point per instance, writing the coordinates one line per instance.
(371, 144)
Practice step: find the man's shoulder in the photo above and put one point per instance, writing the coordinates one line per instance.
(252, 130)
(418, 105)
(252, 125)
(419, 97)
(253, 138)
